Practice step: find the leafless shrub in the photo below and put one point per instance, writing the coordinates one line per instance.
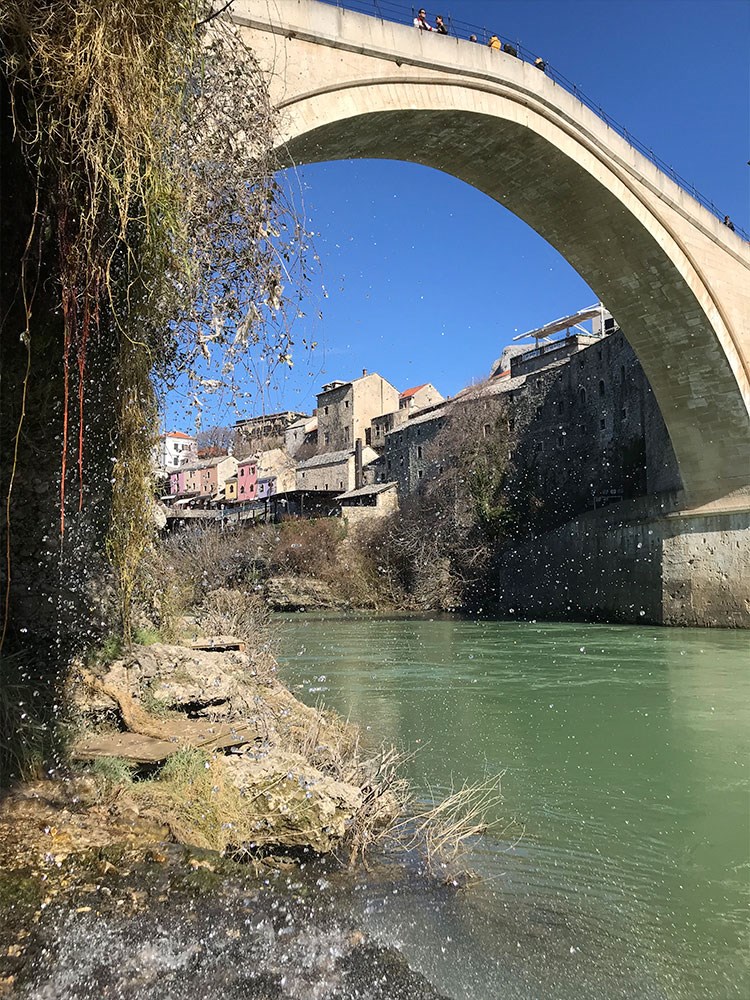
(307, 547)
(245, 615)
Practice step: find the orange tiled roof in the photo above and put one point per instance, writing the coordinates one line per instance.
(407, 393)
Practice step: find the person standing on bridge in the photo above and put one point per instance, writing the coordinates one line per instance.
(420, 21)
(440, 25)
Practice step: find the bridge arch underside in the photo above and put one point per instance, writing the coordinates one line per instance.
(597, 220)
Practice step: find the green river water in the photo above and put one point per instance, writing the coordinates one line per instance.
(625, 760)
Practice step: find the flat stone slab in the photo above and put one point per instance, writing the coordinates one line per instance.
(131, 746)
(178, 733)
(219, 644)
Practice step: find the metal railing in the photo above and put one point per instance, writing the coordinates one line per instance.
(386, 10)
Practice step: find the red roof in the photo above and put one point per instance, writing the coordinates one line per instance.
(178, 434)
(407, 393)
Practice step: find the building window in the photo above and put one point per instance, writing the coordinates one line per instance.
(486, 430)
(346, 404)
(419, 474)
(602, 423)
(601, 386)
(624, 413)
(326, 487)
(325, 410)
(582, 396)
(540, 446)
(242, 488)
(327, 437)
(341, 484)
(176, 461)
(419, 451)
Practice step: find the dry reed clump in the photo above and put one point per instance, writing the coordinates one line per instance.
(333, 745)
(443, 832)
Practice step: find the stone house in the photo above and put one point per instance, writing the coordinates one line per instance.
(267, 430)
(367, 503)
(346, 410)
(384, 424)
(585, 430)
(419, 397)
(333, 472)
(302, 433)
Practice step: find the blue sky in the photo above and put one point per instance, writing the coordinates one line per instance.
(427, 279)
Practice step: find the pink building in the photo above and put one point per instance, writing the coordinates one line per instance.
(247, 479)
(214, 473)
(178, 479)
(205, 478)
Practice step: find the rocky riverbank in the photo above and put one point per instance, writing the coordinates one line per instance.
(198, 746)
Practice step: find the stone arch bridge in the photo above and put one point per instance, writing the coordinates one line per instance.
(676, 279)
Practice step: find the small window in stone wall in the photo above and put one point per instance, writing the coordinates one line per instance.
(601, 386)
(624, 413)
(602, 423)
(582, 396)
(540, 446)
(419, 474)
(485, 431)
(341, 484)
(419, 451)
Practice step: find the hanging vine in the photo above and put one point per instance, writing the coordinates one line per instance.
(148, 133)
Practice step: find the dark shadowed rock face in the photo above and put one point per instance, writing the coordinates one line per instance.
(242, 946)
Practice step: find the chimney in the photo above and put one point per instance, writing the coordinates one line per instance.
(359, 478)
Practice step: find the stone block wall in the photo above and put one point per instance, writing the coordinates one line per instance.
(632, 563)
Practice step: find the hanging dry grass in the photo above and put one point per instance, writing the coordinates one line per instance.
(148, 133)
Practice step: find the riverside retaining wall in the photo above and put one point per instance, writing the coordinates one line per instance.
(635, 563)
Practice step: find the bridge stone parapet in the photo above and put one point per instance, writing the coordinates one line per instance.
(676, 279)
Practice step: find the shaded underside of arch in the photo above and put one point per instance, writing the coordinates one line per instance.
(603, 239)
